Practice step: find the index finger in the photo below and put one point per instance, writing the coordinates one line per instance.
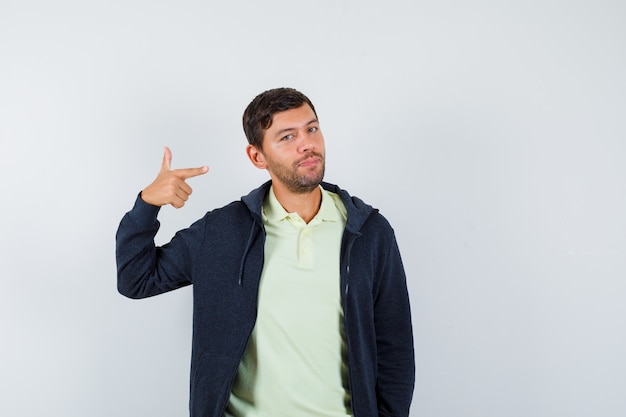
(185, 173)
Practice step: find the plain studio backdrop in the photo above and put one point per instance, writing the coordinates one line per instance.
(491, 134)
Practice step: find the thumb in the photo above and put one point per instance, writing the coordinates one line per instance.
(166, 165)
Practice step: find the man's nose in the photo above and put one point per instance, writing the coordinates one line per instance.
(307, 143)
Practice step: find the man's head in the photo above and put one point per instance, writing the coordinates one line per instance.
(258, 116)
(285, 139)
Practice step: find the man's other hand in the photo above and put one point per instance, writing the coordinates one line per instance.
(169, 187)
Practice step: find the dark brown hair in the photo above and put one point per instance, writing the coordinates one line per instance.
(257, 117)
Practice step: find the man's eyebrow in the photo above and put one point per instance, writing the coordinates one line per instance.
(287, 129)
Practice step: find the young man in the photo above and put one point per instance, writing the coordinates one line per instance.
(300, 299)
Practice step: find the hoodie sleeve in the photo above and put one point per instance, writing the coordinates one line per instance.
(144, 269)
(394, 338)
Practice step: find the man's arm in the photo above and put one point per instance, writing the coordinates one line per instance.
(143, 269)
(394, 339)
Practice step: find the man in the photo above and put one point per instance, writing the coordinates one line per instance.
(300, 299)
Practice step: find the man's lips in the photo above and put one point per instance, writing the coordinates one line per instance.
(309, 161)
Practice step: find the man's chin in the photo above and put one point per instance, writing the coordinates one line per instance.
(306, 186)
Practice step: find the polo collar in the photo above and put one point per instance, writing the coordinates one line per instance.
(273, 211)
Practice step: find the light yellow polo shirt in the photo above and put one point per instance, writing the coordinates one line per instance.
(296, 360)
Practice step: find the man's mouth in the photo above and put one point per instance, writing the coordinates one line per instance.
(309, 161)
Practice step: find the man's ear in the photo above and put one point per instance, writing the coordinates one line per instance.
(256, 157)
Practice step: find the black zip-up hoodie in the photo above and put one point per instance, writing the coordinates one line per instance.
(222, 256)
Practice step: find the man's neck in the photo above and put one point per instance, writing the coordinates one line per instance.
(305, 204)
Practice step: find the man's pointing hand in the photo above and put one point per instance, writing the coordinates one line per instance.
(169, 187)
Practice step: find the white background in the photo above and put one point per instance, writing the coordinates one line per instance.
(490, 133)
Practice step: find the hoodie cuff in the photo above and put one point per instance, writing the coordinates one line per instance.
(144, 213)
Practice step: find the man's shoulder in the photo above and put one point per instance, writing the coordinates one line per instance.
(234, 209)
(233, 219)
(248, 207)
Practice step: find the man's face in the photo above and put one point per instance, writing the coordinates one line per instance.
(293, 150)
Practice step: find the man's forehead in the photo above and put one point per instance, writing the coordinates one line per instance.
(302, 114)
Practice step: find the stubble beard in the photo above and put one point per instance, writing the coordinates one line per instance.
(301, 183)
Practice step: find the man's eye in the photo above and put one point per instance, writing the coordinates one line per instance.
(286, 137)
(312, 129)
